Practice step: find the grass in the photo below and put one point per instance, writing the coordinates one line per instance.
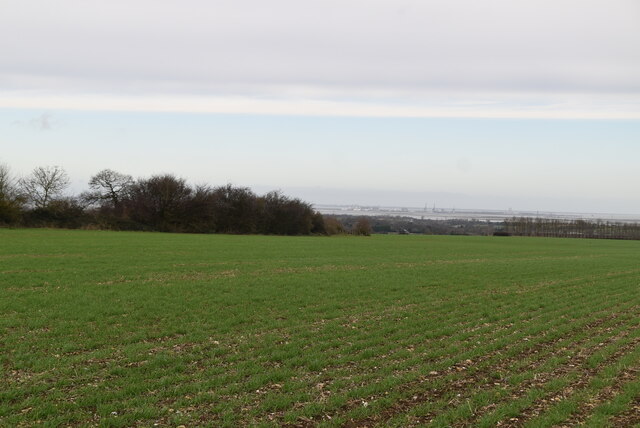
(142, 329)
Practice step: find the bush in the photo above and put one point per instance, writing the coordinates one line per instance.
(333, 226)
(362, 227)
(64, 213)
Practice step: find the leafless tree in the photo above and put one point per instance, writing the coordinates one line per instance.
(11, 199)
(333, 226)
(280, 215)
(44, 185)
(571, 228)
(108, 186)
(235, 209)
(159, 201)
(8, 187)
(362, 227)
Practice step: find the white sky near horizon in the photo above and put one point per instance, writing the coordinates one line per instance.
(474, 104)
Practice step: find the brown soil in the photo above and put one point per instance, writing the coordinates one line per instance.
(585, 375)
(630, 418)
(606, 394)
(461, 386)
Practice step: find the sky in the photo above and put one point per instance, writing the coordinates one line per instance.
(493, 104)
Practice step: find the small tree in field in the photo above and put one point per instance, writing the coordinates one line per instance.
(45, 184)
(333, 226)
(362, 227)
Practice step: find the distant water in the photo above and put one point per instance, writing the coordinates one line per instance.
(469, 214)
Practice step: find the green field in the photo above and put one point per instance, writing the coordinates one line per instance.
(146, 329)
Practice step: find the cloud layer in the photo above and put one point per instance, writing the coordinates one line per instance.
(569, 58)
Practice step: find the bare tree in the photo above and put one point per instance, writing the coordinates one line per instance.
(108, 186)
(278, 214)
(159, 201)
(333, 226)
(362, 227)
(11, 199)
(235, 209)
(8, 188)
(44, 185)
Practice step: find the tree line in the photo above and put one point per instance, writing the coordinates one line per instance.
(385, 224)
(525, 226)
(164, 202)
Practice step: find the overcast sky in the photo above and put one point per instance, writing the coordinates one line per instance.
(477, 104)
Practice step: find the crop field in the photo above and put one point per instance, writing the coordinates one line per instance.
(148, 329)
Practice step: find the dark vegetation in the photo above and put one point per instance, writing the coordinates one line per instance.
(167, 203)
(554, 228)
(408, 225)
(163, 203)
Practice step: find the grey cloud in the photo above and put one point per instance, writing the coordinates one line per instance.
(42, 122)
(256, 47)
